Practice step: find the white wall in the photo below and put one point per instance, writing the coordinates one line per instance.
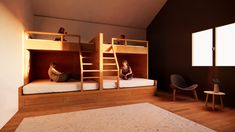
(15, 16)
(87, 30)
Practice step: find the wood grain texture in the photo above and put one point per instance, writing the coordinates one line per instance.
(82, 97)
(138, 63)
(186, 107)
(66, 62)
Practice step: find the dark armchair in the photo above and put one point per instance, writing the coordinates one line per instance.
(178, 83)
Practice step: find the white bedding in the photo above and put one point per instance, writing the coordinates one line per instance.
(135, 82)
(46, 86)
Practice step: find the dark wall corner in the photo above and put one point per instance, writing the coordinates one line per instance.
(169, 37)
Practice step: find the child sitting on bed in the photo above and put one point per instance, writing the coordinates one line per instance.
(61, 31)
(121, 42)
(58, 76)
(125, 71)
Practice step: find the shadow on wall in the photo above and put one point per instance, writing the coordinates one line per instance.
(12, 24)
(23, 15)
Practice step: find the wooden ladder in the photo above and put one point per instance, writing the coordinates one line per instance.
(88, 66)
(110, 64)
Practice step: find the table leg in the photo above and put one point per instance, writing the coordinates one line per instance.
(213, 102)
(206, 99)
(221, 101)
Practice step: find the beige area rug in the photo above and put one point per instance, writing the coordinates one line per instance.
(143, 117)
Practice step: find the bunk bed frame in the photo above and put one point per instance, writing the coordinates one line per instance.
(97, 69)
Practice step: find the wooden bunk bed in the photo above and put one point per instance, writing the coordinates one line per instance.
(96, 61)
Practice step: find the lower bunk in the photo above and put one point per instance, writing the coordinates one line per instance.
(44, 92)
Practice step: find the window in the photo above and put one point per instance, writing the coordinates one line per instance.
(202, 45)
(225, 45)
(202, 48)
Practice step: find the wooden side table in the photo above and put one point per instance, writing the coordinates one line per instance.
(220, 94)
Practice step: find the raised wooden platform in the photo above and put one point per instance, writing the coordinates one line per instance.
(71, 98)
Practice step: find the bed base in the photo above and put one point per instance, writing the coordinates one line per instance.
(78, 97)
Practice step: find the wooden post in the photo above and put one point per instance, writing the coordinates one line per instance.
(26, 63)
(61, 39)
(116, 61)
(81, 62)
(101, 41)
(125, 42)
(213, 102)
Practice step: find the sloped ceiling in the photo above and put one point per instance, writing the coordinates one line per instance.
(127, 13)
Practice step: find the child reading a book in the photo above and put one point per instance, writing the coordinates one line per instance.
(125, 71)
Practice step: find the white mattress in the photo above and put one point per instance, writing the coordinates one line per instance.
(135, 82)
(46, 86)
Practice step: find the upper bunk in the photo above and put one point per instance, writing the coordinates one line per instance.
(35, 40)
(127, 46)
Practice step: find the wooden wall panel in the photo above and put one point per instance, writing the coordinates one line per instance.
(170, 37)
(138, 63)
(40, 61)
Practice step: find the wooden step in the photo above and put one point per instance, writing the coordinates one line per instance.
(87, 64)
(111, 70)
(90, 77)
(109, 64)
(84, 57)
(108, 58)
(91, 70)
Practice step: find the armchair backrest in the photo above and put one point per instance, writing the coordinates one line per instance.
(178, 80)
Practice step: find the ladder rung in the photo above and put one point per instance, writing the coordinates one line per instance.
(86, 57)
(109, 64)
(90, 77)
(91, 70)
(108, 58)
(111, 70)
(87, 64)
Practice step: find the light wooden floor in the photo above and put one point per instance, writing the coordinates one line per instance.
(184, 106)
